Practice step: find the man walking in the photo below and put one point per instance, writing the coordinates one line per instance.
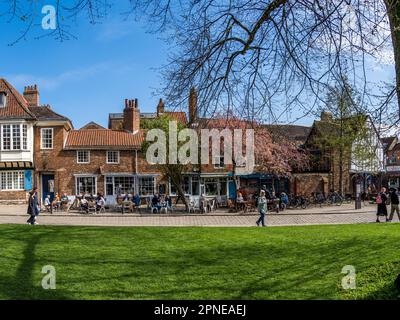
(33, 206)
(394, 201)
(262, 208)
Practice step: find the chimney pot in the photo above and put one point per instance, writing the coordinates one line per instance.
(31, 94)
(131, 120)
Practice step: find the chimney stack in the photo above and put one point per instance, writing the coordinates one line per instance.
(31, 94)
(192, 105)
(326, 116)
(160, 107)
(131, 120)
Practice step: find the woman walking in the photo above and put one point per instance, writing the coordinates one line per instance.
(33, 206)
(262, 208)
(381, 200)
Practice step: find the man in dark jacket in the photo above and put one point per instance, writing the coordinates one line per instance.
(33, 206)
(394, 201)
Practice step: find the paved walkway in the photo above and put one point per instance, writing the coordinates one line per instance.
(328, 215)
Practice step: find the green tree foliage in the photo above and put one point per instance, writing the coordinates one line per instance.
(173, 172)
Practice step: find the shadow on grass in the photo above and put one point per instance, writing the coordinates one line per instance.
(166, 264)
(22, 285)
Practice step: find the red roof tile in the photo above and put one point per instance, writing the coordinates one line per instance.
(177, 115)
(103, 139)
(16, 106)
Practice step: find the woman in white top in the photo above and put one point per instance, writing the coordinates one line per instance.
(262, 208)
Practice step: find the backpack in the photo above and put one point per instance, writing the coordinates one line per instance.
(379, 199)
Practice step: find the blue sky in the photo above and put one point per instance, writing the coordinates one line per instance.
(87, 78)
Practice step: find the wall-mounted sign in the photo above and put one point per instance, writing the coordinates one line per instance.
(51, 185)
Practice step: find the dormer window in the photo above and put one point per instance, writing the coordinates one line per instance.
(3, 99)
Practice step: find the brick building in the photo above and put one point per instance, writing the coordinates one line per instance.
(92, 159)
(392, 162)
(41, 147)
(16, 147)
(324, 171)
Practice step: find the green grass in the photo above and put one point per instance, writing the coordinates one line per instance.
(199, 263)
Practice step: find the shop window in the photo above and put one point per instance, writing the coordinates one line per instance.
(146, 186)
(86, 185)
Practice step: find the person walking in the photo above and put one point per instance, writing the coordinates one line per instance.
(381, 202)
(394, 204)
(33, 206)
(262, 208)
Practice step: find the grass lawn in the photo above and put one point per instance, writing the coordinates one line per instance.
(199, 263)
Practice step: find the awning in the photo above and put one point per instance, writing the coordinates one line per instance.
(258, 176)
(16, 165)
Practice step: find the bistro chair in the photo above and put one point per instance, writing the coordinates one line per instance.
(92, 207)
(127, 205)
(194, 204)
(119, 205)
(164, 207)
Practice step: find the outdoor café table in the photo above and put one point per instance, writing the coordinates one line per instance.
(273, 205)
(128, 205)
(64, 204)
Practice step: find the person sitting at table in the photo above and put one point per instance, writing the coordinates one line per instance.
(136, 200)
(203, 203)
(168, 200)
(56, 201)
(84, 204)
(274, 201)
(284, 199)
(100, 202)
(47, 203)
(155, 203)
(240, 201)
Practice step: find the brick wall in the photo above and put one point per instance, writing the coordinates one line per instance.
(13, 197)
(307, 183)
(116, 124)
(97, 166)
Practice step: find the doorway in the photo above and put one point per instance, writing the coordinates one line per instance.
(48, 186)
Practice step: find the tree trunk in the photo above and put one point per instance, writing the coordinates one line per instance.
(176, 178)
(341, 170)
(182, 196)
(393, 11)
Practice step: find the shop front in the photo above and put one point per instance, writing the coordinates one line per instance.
(128, 184)
(252, 183)
(210, 185)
